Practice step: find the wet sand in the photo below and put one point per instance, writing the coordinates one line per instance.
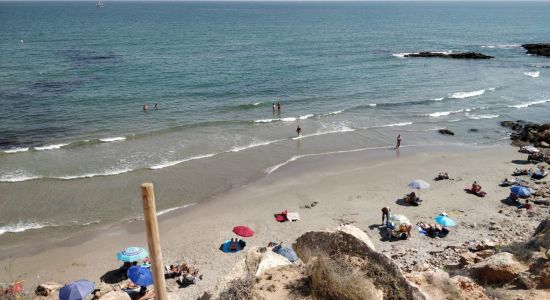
(350, 188)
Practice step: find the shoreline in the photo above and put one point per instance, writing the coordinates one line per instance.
(337, 182)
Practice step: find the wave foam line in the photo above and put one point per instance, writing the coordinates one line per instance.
(397, 124)
(463, 95)
(113, 139)
(253, 145)
(50, 147)
(344, 129)
(90, 175)
(17, 150)
(502, 46)
(479, 117)
(446, 113)
(20, 227)
(527, 104)
(532, 74)
(162, 212)
(177, 162)
(296, 157)
(18, 178)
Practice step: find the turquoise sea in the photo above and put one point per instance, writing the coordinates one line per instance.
(74, 79)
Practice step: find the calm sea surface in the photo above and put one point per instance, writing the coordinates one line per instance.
(74, 79)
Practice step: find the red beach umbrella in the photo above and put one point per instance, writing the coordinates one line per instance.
(243, 231)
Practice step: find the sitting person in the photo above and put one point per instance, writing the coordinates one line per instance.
(513, 197)
(442, 176)
(282, 217)
(506, 182)
(234, 245)
(527, 205)
(476, 188)
(406, 228)
(412, 199)
(541, 173)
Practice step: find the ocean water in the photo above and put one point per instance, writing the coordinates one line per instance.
(74, 79)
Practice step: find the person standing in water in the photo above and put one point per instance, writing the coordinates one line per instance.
(145, 107)
(298, 130)
(273, 106)
(279, 107)
(156, 105)
(398, 144)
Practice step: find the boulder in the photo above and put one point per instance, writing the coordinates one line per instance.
(348, 243)
(446, 131)
(462, 55)
(497, 269)
(115, 295)
(467, 258)
(537, 49)
(438, 285)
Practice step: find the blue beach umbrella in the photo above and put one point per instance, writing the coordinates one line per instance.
(444, 220)
(521, 191)
(286, 252)
(76, 290)
(140, 275)
(132, 254)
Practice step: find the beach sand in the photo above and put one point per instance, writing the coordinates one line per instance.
(349, 188)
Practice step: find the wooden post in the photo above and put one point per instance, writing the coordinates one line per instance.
(153, 239)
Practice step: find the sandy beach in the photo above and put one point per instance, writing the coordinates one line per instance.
(350, 188)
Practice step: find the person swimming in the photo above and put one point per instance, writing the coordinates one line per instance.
(145, 107)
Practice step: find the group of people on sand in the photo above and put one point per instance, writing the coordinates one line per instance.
(403, 231)
(184, 273)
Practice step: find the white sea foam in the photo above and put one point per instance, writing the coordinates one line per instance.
(176, 162)
(446, 113)
(113, 139)
(462, 95)
(306, 117)
(20, 227)
(401, 55)
(527, 104)
(253, 145)
(343, 129)
(372, 105)
(17, 150)
(397, 124)
(288, 119)
(17, 178)
(265, 120)
(50, 147)
(532, 74)
(502, 46)
(90, 175)
(257, 103)
(162, 212)
(276, 167)
(438, 99)
(479, 117)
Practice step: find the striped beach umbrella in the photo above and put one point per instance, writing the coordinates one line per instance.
(132, 254)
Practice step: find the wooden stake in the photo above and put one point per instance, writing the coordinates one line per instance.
(153, 239)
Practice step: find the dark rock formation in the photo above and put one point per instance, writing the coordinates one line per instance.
(446, 131)
(463, 55)
(537, 49)
(473, 130)
(528, 133)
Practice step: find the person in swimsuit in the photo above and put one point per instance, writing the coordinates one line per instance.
(298, 130)
(398, 144)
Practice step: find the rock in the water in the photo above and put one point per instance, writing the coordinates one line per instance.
(537, 49)
(497, 269)
(473, 130)
(446, 131)
(462, 55)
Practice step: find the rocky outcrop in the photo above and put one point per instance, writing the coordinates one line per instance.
(462, 55)
(116, 295)
(498, 269)
(537, 49)
(438, 285)
(446, 132)
(349, 247)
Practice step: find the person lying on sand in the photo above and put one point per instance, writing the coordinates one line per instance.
(234, 245)
(519, 172)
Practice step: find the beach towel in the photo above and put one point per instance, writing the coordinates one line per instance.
(227, 244)
(293, 216)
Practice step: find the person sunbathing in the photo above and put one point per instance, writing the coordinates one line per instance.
(442, 176)
(234, 245)
(476, 188)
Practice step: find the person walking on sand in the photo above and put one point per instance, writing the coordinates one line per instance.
(386, 212)
(298, 130)
(145, 107)
(398, 144)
